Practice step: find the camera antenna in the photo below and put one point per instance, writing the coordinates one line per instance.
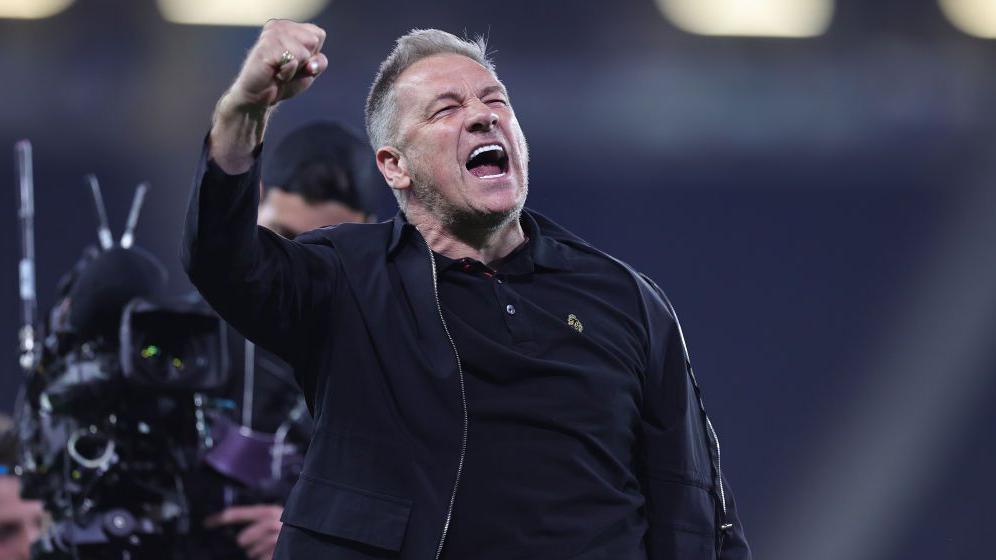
(103, 230)
(128, 237)
(26, 267)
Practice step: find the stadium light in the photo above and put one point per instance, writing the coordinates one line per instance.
(974, 17)
(750, 18)
(32, 9)
(238, 12)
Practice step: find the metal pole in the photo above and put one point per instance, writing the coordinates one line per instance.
(128, 237)
(26, 267)
(103, 229)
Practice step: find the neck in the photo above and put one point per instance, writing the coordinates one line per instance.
(455, 239)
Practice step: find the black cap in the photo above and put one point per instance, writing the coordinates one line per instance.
(107, 283)
(325, 161)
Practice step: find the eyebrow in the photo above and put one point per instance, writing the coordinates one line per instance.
(491, 89)
(454, 96)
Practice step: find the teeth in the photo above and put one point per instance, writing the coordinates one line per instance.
(483, 149)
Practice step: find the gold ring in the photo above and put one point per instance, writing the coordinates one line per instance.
(285, 57)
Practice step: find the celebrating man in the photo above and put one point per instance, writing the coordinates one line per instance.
(484, 383)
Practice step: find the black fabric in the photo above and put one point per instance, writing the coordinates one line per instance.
(554, 405)
(353, 309)
(105, 286)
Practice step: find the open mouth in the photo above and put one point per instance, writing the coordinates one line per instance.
(488, 161)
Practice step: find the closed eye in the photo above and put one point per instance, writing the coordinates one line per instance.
(444, 110)
(498, 101)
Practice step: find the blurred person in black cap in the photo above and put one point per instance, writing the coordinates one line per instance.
(20, 520)
(320, 174)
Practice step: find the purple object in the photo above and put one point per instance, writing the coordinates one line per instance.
(240, 453)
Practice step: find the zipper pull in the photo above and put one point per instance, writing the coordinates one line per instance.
(721, 538)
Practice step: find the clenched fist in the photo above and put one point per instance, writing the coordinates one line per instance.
(283, 63)
(285, 60)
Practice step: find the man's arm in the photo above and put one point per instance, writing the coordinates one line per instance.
(261, 283)
(284, 62)
(690, 515)
(265, 286)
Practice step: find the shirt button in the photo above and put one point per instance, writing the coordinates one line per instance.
(510, 308)
(500, 281)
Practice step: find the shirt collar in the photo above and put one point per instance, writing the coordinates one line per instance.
(400, 230)
(544, 251)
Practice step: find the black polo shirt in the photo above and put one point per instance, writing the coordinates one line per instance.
(553, 348)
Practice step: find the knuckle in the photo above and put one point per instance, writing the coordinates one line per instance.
(267, 41)
(308, 41)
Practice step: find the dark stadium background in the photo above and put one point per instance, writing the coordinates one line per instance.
(821, 211)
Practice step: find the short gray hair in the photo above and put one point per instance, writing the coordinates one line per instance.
(381, 109)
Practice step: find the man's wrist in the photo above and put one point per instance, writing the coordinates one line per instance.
(231, 107)
(237, 130)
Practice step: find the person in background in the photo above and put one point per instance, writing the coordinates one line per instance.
(20, 520)
(321, 174)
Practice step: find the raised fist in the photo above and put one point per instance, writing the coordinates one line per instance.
(284, 62)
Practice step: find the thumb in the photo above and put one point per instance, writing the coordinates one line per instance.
(316, 64)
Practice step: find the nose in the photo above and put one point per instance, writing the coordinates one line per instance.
(481, 117)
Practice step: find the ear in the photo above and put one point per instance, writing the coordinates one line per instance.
(393, 167)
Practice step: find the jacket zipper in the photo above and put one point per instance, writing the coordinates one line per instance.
(463, 400)
(711, 432)
(719, 473)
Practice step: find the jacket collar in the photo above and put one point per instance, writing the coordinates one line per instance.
(546, 251)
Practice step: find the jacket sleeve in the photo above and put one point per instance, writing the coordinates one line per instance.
(267, 287)
(689, 514)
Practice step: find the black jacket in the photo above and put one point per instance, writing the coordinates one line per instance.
(361, 327)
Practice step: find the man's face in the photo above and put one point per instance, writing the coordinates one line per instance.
(289, 214)
(451, 107)
(20, 521)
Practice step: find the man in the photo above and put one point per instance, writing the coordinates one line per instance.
(484, 384)
(320, 174)
(20, 520)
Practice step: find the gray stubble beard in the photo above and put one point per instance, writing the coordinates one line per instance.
(460, 220)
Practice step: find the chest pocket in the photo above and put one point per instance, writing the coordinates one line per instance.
(342, 511)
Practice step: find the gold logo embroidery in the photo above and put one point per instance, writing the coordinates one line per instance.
(574, 322)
